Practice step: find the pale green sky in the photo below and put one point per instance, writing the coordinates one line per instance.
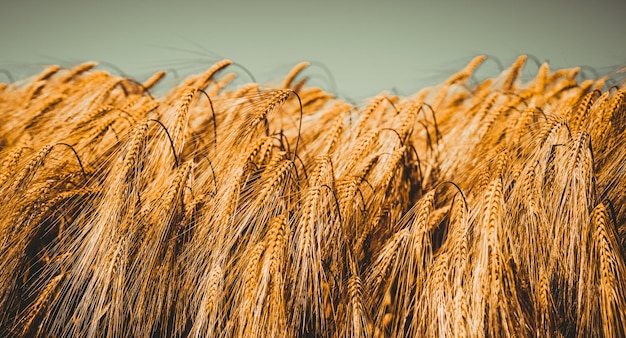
(368, 45)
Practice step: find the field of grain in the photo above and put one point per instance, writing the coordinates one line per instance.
(476, 207)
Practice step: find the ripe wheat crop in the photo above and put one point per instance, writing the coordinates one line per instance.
(476, 207)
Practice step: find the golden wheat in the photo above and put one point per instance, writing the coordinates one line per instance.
(476, 207)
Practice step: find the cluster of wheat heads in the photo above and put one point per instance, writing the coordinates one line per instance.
(472, 208)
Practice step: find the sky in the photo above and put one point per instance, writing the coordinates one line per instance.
(367, 46)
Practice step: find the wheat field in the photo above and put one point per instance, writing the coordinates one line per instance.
(475, 207)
